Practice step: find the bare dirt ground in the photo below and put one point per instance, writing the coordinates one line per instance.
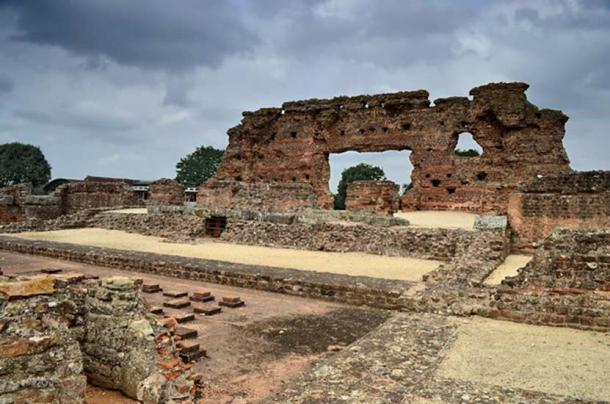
(439, 219)
(356, 264)
(508, 268)
(253, 351)
(551, 360)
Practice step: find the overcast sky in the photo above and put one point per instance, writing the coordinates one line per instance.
(127, 87)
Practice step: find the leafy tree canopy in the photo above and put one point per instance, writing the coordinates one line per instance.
(195, 168)
(467, 153)
(361, 171)
(20, 163)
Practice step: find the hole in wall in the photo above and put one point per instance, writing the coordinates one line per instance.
(395, 164)
(406, 126)
(293, 134)
(481, 176)
(467, 146)
(436, 182)
(451, 190)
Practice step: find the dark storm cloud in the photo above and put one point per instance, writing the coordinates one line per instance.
(145, 33)
(6, 84)
(391, 33)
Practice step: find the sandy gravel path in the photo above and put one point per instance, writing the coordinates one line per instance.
(552, 360)
(508, 268)
(356, 264)
(439, 219)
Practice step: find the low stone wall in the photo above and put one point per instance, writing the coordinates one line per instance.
(174, 226)
(259, 196)
(579, 200)
(379, 197)
(355, 290)
(165, 192)
(54, 330)
(566, 283)
(439, 244)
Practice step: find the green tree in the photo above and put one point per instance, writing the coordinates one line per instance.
(21, 163)
(195, 168)
(467, 153)
(361, 171)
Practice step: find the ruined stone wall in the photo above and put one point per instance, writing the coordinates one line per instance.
(292, 144)
(165, 192)
(57, 332)
(17, 203)
(83, 195)
(261, 196)
(567, 283)
(578, 200)
(379, 197)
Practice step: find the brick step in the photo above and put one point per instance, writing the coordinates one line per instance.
(188, 357)
(188, 346)
(184, 317)
(231, 301)
(208, 311)
(177, 303)
(151, 288)
(156, 310)
(202, 296)
(175, 293)
(185, 332)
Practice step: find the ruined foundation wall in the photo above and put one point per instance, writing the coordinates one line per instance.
(165, 192)
(379, 197)
(57, 332)
(77, 196)
(579, 200)
(292, 144)
(17, 203)
(439, 244)
(567, 283)
(262, 196)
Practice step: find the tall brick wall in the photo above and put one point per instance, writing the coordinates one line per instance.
(380, 197)
(579, 200)
(292, 144)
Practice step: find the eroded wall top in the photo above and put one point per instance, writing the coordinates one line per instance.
(292, 144)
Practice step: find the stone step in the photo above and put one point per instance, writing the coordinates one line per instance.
(175, 293)
(177, 303)
(184, 317)
(185, 333)
(208, 311)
